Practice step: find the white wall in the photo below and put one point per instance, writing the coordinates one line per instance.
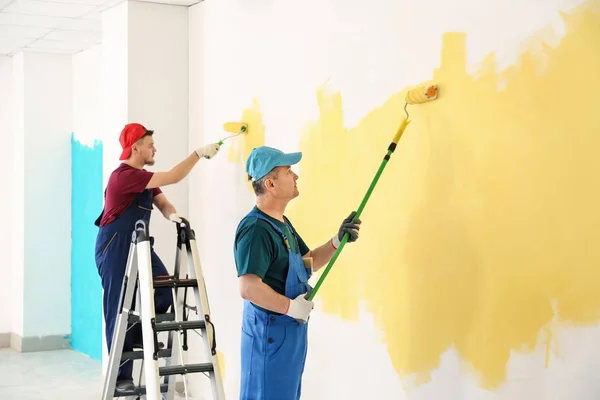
(6, 165)
(87, 95)
(281, 54)
(41, 196)
(47, 162)
(18, 213)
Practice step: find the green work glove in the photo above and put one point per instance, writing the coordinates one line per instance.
(351, 226)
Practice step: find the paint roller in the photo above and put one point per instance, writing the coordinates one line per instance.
(419, 95)
(236, 128)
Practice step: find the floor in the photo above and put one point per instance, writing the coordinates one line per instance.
(49, 375)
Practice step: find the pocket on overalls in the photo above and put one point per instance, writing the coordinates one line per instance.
(247, 343)
(275, 340)
(246, 357)
(303, 275)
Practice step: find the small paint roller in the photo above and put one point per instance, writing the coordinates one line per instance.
(234, 127)
(419, 95)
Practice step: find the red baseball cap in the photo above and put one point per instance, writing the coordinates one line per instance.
(129, 135)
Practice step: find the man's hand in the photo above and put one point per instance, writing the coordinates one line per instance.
(351, 226)
(175, 217)
(300, 308)
(208, 151)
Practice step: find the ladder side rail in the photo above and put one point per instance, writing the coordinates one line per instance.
(147, 314)
(178, 310)
(203, 309)
(120, 330)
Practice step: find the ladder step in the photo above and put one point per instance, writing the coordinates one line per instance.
(140, 391)
(172, 282)
(160, 318)
(179, 325)
(185, 369)
(139, 354)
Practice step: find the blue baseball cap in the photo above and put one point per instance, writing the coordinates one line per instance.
(263, 159)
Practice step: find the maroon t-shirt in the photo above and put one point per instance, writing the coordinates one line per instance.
(124, 184)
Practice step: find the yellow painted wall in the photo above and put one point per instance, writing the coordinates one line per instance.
(482, 233)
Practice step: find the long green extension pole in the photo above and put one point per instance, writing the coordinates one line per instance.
(391, 149)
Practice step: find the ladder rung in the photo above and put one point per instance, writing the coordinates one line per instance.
(160, 318)
(172, 282)
(139, 354)
(140, 391)
(179, 325)
(185, 369)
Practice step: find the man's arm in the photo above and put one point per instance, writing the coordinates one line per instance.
(181, 170)
(165, 207)
(253, 253)
(253, 289)
(322, 254)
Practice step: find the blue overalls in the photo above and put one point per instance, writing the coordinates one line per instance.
(112, 249)
(273, 347)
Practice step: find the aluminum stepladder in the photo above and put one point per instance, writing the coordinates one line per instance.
(138, 278)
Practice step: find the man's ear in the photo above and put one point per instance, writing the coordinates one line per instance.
(269, 183)
(136, 145)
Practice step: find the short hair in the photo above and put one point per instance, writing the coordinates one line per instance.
(148, 133)
(259, 185)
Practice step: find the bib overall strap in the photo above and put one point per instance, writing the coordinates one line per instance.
(283, 235)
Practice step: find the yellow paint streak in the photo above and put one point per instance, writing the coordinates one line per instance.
(548, 342)
(486, 212)
(221, 358)
(242, 145)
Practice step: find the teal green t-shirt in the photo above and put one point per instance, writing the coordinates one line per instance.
(260, 250)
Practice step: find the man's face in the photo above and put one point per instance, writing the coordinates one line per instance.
(285, 183)
(145, 150)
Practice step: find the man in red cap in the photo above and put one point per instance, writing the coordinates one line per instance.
(130, 195)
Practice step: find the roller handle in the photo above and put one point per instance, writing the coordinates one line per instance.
(392, 147)
(400, 131)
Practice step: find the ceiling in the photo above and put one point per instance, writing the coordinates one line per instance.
(58, 26)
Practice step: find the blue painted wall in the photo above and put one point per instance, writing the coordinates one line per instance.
(86, 290)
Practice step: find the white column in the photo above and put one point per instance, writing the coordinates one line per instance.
(41, 201)
(6, 234)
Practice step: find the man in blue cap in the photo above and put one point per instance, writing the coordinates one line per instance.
(270, 259)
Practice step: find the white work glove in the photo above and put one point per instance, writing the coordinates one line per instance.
(300, 308)
(208, 151)
(175, 217)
